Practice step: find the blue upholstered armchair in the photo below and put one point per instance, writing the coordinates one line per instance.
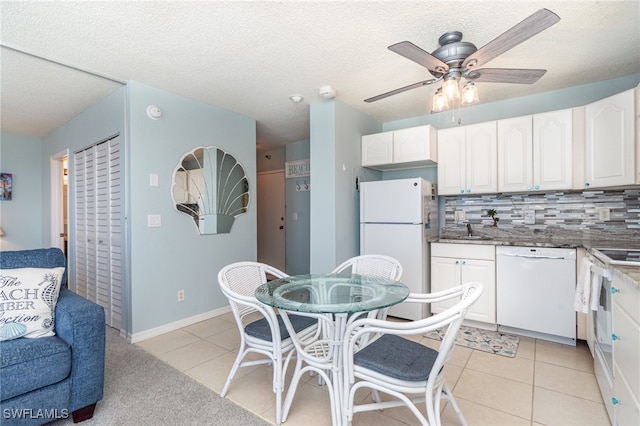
(42, 379)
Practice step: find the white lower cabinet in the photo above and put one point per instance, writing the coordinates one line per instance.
(626, 346)
(455, 264)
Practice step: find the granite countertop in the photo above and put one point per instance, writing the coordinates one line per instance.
(628, 273)
(504, 242)
(541, 238)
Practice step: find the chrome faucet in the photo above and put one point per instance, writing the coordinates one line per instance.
(469, 232)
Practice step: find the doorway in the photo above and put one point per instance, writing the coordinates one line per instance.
(59, 169)
(271, 223)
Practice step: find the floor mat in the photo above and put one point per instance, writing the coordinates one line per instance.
(482, 340)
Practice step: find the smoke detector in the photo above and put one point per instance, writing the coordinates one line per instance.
(327, 92)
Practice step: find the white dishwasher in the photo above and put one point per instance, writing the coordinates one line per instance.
(535, 288)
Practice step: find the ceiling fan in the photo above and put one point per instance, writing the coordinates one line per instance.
(456, 59)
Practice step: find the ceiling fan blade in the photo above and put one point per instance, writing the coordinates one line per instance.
(402, 89)
(504, 75)
(419, 56)
(539, 21)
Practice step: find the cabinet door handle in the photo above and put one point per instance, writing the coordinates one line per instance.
(616, 401)
(615, 337)
(614, 290)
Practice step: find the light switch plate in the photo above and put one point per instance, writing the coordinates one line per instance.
(154, 221)
(460, 216)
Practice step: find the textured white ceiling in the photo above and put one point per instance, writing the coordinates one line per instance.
(248, 57)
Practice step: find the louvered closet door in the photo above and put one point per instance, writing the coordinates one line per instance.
(99, 228)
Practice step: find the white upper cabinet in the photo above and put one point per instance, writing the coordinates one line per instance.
(637, 89)
(377, 149)
(535, 152)
(400, 149)
(610, 141)
(467, 159)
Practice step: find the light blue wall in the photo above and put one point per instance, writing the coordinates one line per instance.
(298, 203)
(20, 217)
(100, 121)
(336, 131)
(542, 102)
(175, 257)
(323, 185)
(533, 104)
(269, 161)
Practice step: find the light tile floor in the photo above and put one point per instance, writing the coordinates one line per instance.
(545, 384)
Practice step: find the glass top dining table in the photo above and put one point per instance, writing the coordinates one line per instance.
(343, 297)
(332, 293)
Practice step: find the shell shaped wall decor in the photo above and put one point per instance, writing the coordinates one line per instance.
(211, 187)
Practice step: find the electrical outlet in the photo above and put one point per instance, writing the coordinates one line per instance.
(605, 214)
(180, 295)
(460, 216)
(529, 217)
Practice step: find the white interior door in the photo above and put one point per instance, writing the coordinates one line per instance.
(271, 223)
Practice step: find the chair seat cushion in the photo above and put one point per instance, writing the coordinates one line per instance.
(260, 328)
(397, 357)
(28, 364)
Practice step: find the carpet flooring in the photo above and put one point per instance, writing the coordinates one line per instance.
(143, 390)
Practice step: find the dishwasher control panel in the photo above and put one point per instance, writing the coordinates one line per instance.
(541, 252)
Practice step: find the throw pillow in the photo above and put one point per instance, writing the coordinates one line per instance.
(28, 298)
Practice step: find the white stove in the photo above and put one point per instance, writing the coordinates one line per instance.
(604, 260)
(610, 256)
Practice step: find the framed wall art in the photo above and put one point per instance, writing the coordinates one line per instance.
(6, 186)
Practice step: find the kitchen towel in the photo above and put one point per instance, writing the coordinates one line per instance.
(583, 287)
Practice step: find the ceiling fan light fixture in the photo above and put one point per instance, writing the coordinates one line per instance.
(450, 89)
(470, 94)
(440, 102)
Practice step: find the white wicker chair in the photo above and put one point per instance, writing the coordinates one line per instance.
(388, 363)
(261, 329)
(373, 265)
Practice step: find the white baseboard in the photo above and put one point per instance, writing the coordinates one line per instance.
(157, 331)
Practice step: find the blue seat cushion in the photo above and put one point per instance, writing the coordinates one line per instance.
(28, 364)
(397, 357)
(260, 328)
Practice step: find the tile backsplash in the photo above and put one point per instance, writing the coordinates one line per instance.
(562, 211)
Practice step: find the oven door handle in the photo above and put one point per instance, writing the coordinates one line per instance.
(601, 271)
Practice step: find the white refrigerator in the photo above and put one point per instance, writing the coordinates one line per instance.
(398, 218)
